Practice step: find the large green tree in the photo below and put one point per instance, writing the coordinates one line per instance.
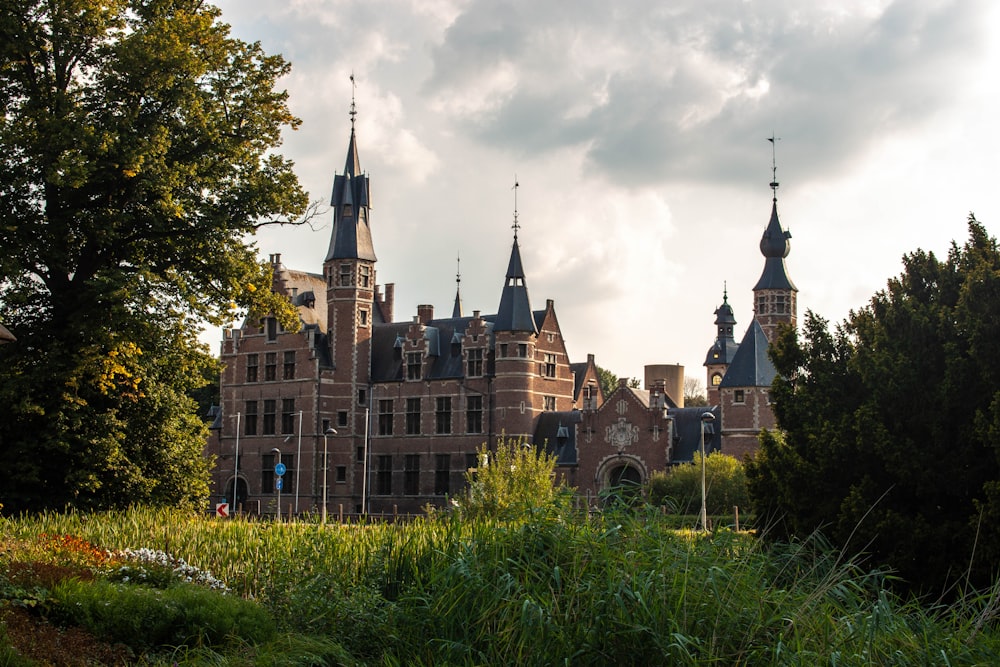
(890, 423)
(136, 162)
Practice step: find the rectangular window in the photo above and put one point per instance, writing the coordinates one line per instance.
(287, 415)
(522, 350)
(341, 472)
(503, 349)
(385, 417)
(413, 416)
(359, 453)
(252, 360)
(549, 403)
(366, 276)
(271, 326)
(250, 418)
(288, 371)
(442, 415)
(345, 275)
(474, 365)
(411, 475)
(739, 396)
(383, 475)
(762, 305)
(779, 304)
(270, 367)
(550, 365)
(413, 363)
(270, 406)
(474, 414)
(442, 474)
(362, 317)
(342, 418)
(362, 397)
(471, 461)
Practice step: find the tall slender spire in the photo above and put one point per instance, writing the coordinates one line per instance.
(514, 313)
(457, 310)
(351, 201)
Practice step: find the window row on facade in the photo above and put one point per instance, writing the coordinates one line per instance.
(474, 362)
(260, 417)
(270, 367)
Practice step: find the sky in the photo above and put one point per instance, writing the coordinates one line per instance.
(637, 132)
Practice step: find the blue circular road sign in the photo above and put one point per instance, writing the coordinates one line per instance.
(280, 469)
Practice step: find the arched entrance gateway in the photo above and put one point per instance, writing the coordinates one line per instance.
(237, 498)
(620, 478)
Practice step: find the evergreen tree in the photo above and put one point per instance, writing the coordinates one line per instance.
(135, 164)
(890, 422)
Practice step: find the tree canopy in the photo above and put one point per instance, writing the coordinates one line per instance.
(890, 423)
(136, 162)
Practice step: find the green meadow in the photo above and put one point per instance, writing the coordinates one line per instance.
(550, 588)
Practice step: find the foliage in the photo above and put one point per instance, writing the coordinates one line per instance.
(680, 487)
(610, 588)
(694, 393)
(513, 480)
(891, 423)
(609, 381)
(136, 160)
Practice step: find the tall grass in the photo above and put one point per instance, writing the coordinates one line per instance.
(556, 589)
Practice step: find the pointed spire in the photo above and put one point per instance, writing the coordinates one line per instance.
(724, 348)
(351, 237)
(457, 310)
(514, 313)
(774, 243)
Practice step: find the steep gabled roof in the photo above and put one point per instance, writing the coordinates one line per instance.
(751, 366)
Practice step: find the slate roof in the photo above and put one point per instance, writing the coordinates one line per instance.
(442, 337)
(774, 245)
(351, 237)
(687, 439)
(547, 434)
(724, 348)
(515, 312)
(751, 366)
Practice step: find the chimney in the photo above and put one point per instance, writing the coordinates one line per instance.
(425, 313)
(390, 298)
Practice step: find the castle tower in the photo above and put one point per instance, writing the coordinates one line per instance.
(515, 334)
(349, 271)
(721, 354)
(774, 294)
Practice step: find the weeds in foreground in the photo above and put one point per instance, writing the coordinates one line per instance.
(619, 588)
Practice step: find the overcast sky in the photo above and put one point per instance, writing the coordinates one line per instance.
(637, 131)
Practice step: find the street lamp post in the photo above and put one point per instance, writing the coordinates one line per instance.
(326, 468)
(277, 482)
(706, 418)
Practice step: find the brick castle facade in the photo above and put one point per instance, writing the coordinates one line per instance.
(372, 415)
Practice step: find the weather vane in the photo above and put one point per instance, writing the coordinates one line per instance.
(774, 166)
(516, 225)
(354, 109)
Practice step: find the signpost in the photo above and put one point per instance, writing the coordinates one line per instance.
(279, 470)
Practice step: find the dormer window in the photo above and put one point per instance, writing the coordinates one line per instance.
(348, 211)
(414, 362)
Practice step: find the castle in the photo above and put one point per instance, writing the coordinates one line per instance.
(365, 414)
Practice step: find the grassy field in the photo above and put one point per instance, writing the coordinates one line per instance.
(157, 587)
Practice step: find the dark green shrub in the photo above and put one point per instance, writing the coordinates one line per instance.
(680, 487)
(146, 618)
